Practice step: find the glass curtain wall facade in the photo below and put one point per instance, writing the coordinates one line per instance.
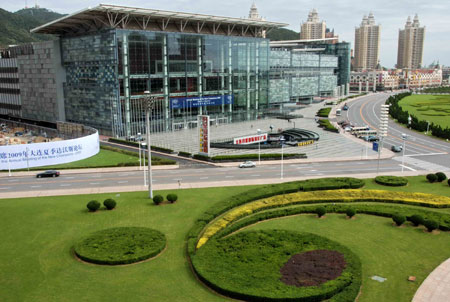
(225, 77)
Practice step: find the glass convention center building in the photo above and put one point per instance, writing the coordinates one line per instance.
(195, 64)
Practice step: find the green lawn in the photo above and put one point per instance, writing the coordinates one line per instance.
(384, 250)
(37, 262)
(432, 108)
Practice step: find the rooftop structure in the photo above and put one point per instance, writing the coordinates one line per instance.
(106, 16)
(313, 28)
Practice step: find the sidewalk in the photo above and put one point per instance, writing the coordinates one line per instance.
(436, 287)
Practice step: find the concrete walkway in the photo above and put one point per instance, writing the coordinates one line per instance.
(436, 287)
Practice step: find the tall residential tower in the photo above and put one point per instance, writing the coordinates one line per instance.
(410, 44)
(313, 28)
(367, 44)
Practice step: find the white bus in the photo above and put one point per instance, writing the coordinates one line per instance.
(366, 133)
(357, 129)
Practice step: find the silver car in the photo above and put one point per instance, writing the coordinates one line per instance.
(247, 164)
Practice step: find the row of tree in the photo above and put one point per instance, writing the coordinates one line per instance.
(397, 112)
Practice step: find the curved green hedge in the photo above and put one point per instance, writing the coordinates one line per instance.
(247, 266)
(121, 245)
(393, 181)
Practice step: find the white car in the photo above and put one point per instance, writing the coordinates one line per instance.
(247, 164)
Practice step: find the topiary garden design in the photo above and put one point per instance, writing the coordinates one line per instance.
(123, 245)
(253, 265)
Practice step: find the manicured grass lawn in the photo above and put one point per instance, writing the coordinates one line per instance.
(384, 250)
(37, 264)
(432, 108)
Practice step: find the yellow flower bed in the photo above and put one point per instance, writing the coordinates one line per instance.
(320, 196)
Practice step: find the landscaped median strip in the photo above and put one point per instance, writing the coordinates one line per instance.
(420, 199)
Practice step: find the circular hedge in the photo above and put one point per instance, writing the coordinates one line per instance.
(393, 181)
(123, 245)
(249, 266)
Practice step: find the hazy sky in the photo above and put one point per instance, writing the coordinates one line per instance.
(342, 15)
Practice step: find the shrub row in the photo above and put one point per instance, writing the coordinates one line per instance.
(323, 112)
(351, 97)
(393, 181)
(442, 89)
(136, 144)
(239, 157)
(438, 177)
(321, 197)
(397, 112)
(157, 199)
(388, 211)
(94, 205)
(264, 192)
(326, 125)
(184, 154)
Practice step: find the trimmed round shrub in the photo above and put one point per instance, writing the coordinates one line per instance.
(431, 225)
(441, 176)
(431, 177)
(121, 245)
(93, 205)
(172, 197)
(393, 181)
(350, 212)
(416, 219)
(320, 211)
(448, 181)
(398, 219)
(109, 203)
(157, 199)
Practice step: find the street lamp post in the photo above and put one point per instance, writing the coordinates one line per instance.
(139, 140)
(143, 166)
(384, 119)
(259, 147)
(282, 145)
(404, 137)
(9, 164)
(149, 102)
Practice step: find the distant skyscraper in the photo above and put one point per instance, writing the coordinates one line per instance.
(367, 44)
(313, 28)
(410, 44)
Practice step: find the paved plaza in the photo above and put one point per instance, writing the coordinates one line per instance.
(436, 287)
(329, 145)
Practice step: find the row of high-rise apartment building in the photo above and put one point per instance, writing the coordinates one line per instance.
(410, 44)
(367, 44)
(313, 28)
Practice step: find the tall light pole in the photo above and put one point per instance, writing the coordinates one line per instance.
(384, 119)
(149, 102)
(139, 141)
(143, 166)
(9, 164)
(259, 146)
(282, 144)
(404, 137)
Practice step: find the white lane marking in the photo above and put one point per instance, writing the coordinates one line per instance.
(5, 188)
(272, 168)
(255, 175)
(229, 176)
(122, 182)
(65, 185)
(360, 163)
(12, 180)
(95, 176)
(406, 167)
(70, 177)
(204, 177)
(313, 170)
(35, 186)
(94, 183)
(425, 154)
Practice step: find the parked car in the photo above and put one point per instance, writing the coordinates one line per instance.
(247, 164)
(345, 107)
(371, 138)
(397, 148)
(48, 173)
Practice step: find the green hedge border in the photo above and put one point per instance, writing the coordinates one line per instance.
(392, 181)
(136, 144)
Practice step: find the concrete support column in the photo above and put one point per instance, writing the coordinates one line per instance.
(367, 86)
(360, 88)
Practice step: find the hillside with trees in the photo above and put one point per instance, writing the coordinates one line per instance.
(281, 34)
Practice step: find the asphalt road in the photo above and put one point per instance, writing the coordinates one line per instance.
(420, 150)
(136, 178)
